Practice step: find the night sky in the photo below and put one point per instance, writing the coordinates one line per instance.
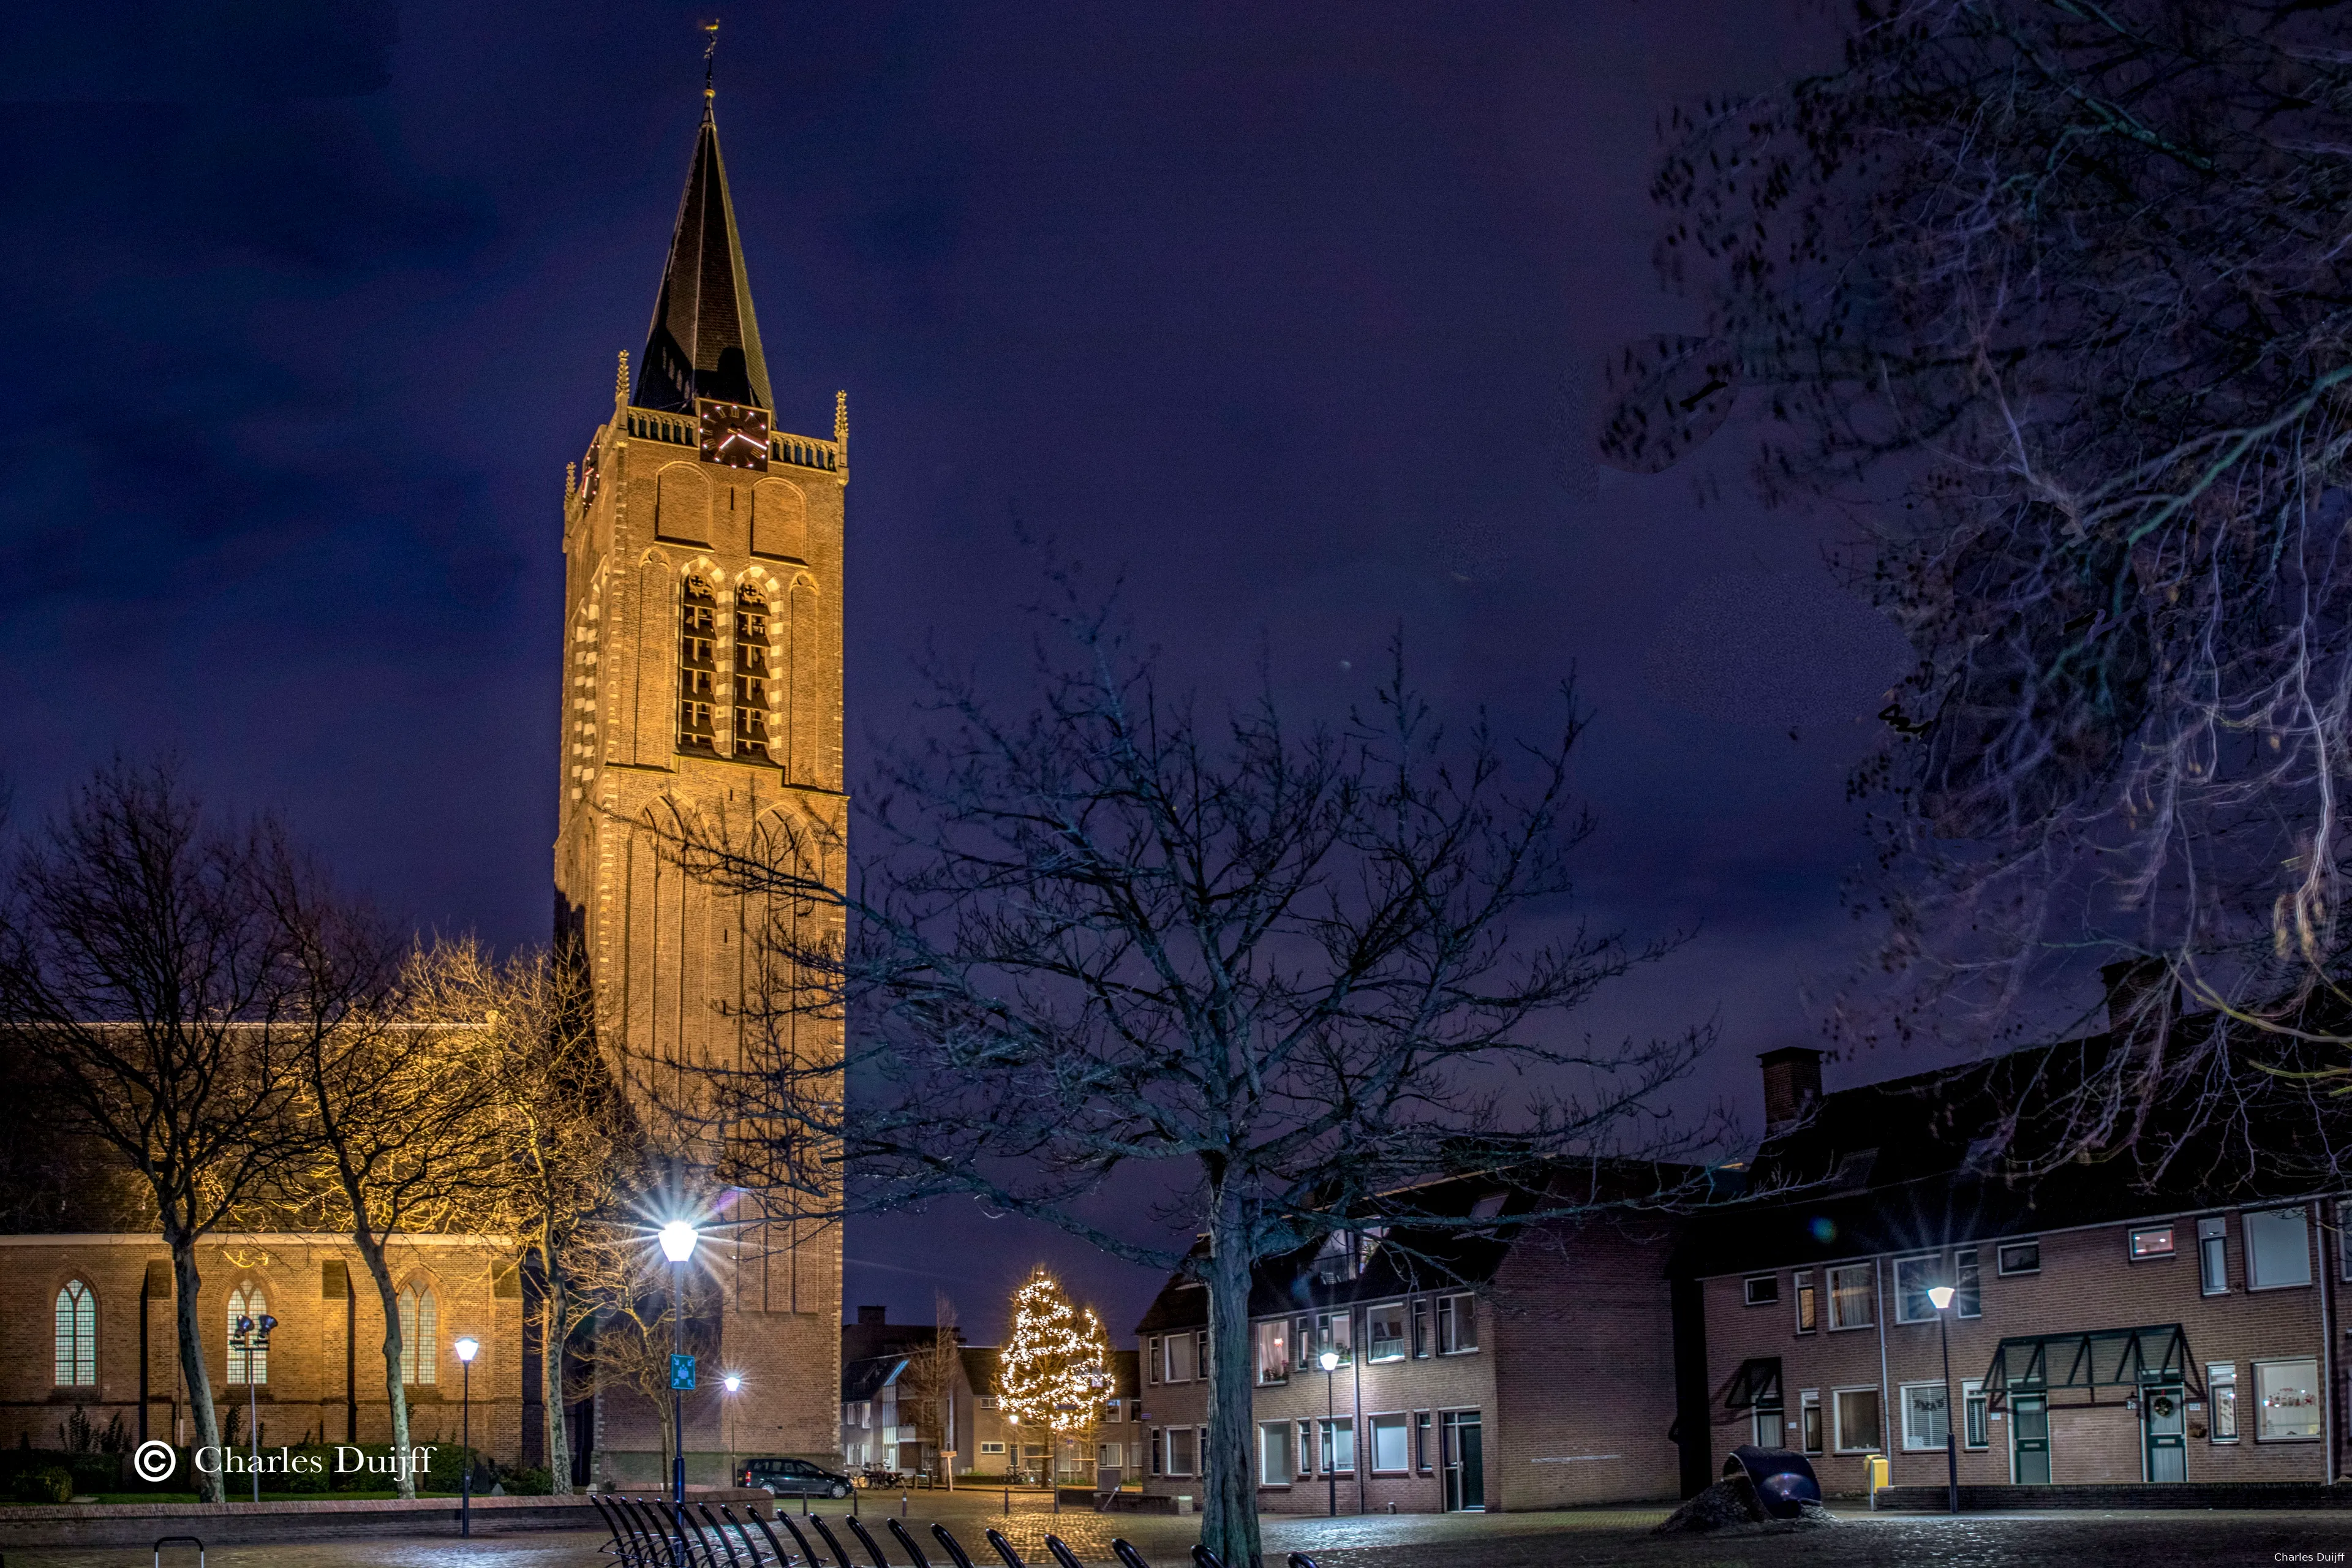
(1287, 313)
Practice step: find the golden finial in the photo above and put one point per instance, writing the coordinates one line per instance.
(841, 421)
(621, 386)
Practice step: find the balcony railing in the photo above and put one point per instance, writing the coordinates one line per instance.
(679, 430)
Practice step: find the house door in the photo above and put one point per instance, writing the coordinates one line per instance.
(2168, 1435)
(2029, 1425)
(1465, 1453)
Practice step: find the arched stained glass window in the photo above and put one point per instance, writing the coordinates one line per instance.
(77, 1336)
(420, 1336)
(249, 1357)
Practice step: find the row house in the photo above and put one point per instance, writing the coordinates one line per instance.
(1109, 1456)
(2105, 1323)
(1454, 1351)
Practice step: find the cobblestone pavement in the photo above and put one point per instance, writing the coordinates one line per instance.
(1570, 1539)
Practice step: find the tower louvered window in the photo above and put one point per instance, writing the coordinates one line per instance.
(751, 673)
(697, 666)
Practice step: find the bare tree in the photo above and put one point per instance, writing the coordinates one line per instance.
(928, 1385)
(1277, 969)
(2056, 299)
(613, 1269)
(150, 985)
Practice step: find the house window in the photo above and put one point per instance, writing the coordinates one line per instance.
(1274, 1455)
(1156, 1445)
(1421, 1442)
(1302, 1344)
(1181, 1450)
(1334, 1331)
(2213, 1256)
(1762, 1289)
(77, 1336)
(1384, 1332)
(1305, 1450)
(1336, 1442)
(1179, 1349)
(1808, 1303)
(2221, 1393)
(1274, 1351)
(2151, 1241)
(1913, 1277)
(1420, 1326)
(1388, 1445)
(249, 1355)
(2019, 1257)
(1925, 1416)
(1851, 1294)
(420, 1336)
(1203, 1362)
(988, 1400)
(2278, 1249)
(1809, 1420)
(986, 1448)
(1975, 1428)
(1968, 1284)
(2286, 1395)
(1457, 1324)
(1857, 1411)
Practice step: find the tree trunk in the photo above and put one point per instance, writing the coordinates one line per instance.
(554, 1304)
(1229, 1499)
(372, 1250)
(187, 1287)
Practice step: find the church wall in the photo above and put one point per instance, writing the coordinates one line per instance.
(326, 1349)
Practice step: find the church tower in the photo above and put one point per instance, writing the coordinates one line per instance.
(703, 685)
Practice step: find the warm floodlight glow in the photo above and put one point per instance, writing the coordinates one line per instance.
(734, 1382)
(468, 1349)
(1940, 1294)
(1329, 1360)
(677, 1239)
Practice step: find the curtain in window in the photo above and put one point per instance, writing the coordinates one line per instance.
(420, 1342)
(77, 1336)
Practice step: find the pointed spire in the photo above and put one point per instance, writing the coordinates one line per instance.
(704, 341)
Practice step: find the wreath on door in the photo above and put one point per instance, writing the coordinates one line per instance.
(2161, 1406)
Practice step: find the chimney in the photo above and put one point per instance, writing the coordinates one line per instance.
(1792, 1087)
(2140, 993)
(872, 1316)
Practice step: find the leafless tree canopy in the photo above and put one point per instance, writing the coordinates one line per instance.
(2055, 296)
(1289, 971)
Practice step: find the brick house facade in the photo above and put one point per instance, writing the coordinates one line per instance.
(1466, 1365)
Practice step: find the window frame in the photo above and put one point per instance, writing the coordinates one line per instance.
(1837, 1421)
(2003, 1269)
(1936, 1275)
(1943, 1394)
(2213, 1256)
(1192, 1460)
(2169, 1246)
(420, 1336)
(1869, 1298)
(255, 1298)
(987, 1449)
(1807, 1301)
(2262, 1400)
(1769, 1297)
(1373, 1355)
(1812, 1430)
(1267, 1430)
(1344, 1341)
(1259, 1338)
(1976, 1416)
(2248, 1219)
(1453, 1309)
(1400, 1421)
(1151, 1362)
(76, 1344)
(1328, 1429)
(2219, 1375)
(1968, 1283)
(1423, 1340)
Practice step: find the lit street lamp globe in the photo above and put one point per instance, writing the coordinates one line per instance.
(1329, 1360)
(1940, 1296)
(468, 1349)
(677, 1239)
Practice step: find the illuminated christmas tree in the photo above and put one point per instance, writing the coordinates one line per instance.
(1055, 1371)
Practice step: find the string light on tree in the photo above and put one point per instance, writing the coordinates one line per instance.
(1055, 1372)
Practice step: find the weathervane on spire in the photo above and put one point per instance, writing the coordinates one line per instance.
(710, 64)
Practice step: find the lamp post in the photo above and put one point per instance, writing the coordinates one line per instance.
(1330, 1361)
(467, 1349)
(1941, 1296)
(734, 1385)
(254, 1340)
(677, 1239)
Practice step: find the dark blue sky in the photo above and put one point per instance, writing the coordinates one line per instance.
(1270, 307)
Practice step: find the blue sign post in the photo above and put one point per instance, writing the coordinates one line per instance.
(681, 1372)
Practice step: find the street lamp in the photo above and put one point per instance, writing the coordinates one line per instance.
(253, 1339)
(734, 1385)
(467, 1349)
(1330, 1361)
(1941, 1296)
(677, 1239)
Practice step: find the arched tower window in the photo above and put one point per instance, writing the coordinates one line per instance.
(751, 672)
(248, 1362)
(77, 1336)
(420, 1336)
(697, 666)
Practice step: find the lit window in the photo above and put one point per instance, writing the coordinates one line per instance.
(1975, 1430)
(1857, 1420)
(1808, 1303)
(2221, 1393)
(1336, 1442)
(991, 1447)
(2287, 1395)
(420, 1336)
(2020, 1257)
(77, 1336)
(1334, 1331)
(1761, 1290)
(1384, 1332)
(1851, 1292)
(2152, 1241)
(2278, 1249)
(249, 1353)
(1274, 1351)
(2213, 1256)
(1389, 1445)
(1274, 1455)
(1925, 1412)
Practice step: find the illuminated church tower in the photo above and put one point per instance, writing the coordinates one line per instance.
(703, 683)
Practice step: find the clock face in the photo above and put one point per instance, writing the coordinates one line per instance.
(735, 435)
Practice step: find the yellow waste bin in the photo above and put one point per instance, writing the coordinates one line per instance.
(1875, 1475)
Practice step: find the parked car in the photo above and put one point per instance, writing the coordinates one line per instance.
(793, 1477)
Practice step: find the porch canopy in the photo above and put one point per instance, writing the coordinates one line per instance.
(1755, 1385)
(2094, 1359)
